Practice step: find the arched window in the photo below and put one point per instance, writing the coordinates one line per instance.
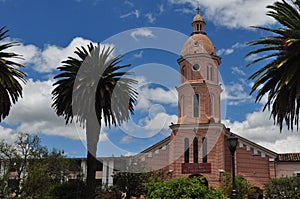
(196, 105)
(186, 150)
(212, 105)
(209, 73)
(195, 146)
(182, 106)
(183, 73)
(204, 149)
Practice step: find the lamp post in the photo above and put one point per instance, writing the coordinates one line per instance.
(232, 143)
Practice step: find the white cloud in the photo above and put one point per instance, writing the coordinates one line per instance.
(148, 96)
(185, 10)
(139, 55)
(7, 134)
(252, 57)
(135, 13)
(142, 32)
(33, 114)
(238, 71)
(233, 13)
(260, 129)
(239, 45)
(126, 139)
(49, 58)
(131, 4)
(235, 94)
(159, 123)
(224, 51)
(103, 137)
(150, 17)
(161, 8)
(54, 55)
(228, 51)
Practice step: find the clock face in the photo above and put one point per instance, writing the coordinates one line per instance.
(196, 43)
(196, 67)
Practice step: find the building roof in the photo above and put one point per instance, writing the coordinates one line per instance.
(289, 157)
(198, 18)
(198, 43)
(156, 146)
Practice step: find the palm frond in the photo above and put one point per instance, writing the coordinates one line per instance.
(94, 81)
(279, 79)
(10, 77)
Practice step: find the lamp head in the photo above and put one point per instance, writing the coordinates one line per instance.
(232, 143)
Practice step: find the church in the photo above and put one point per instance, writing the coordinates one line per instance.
(198, 142)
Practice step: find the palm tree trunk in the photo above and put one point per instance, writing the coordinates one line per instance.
(92, 135)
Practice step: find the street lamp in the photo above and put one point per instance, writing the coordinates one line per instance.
(232, 143)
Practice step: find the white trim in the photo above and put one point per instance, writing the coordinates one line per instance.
(255, 151)
(241, 144)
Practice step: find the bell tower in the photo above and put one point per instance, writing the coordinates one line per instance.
(199, 90)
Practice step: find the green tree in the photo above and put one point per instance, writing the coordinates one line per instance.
(243, 187)
(287, 187)
(17, 156)
(28, 169)
(37, 182)
(279, 78)
(93, 88)
(182, 188)
(10, 87)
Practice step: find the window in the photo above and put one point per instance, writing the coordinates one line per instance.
(195, 146)
(212, 105)
(196, 105)
(186, 150)
(183, 73)
(209, 73)
(182, 106)
(204, 150)
(196, 67)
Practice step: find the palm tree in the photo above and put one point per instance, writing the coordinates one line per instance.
(279, 79)
(10, 87)
(92, 88)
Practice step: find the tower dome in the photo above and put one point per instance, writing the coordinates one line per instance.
(198, 42)
(198, 17)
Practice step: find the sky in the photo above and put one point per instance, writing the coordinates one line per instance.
(149, 35)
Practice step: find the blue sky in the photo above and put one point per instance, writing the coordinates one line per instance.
(150, 35)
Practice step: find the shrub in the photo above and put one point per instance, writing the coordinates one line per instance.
(182, 188)
(287, 187)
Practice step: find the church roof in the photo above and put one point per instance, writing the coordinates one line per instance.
(289, 157)
(198, 43)
(198, 17)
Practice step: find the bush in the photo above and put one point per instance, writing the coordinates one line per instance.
(287, 187)
(68, 190)
(243, 187)
(182, 188)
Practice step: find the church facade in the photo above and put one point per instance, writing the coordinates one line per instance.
(198, 141)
